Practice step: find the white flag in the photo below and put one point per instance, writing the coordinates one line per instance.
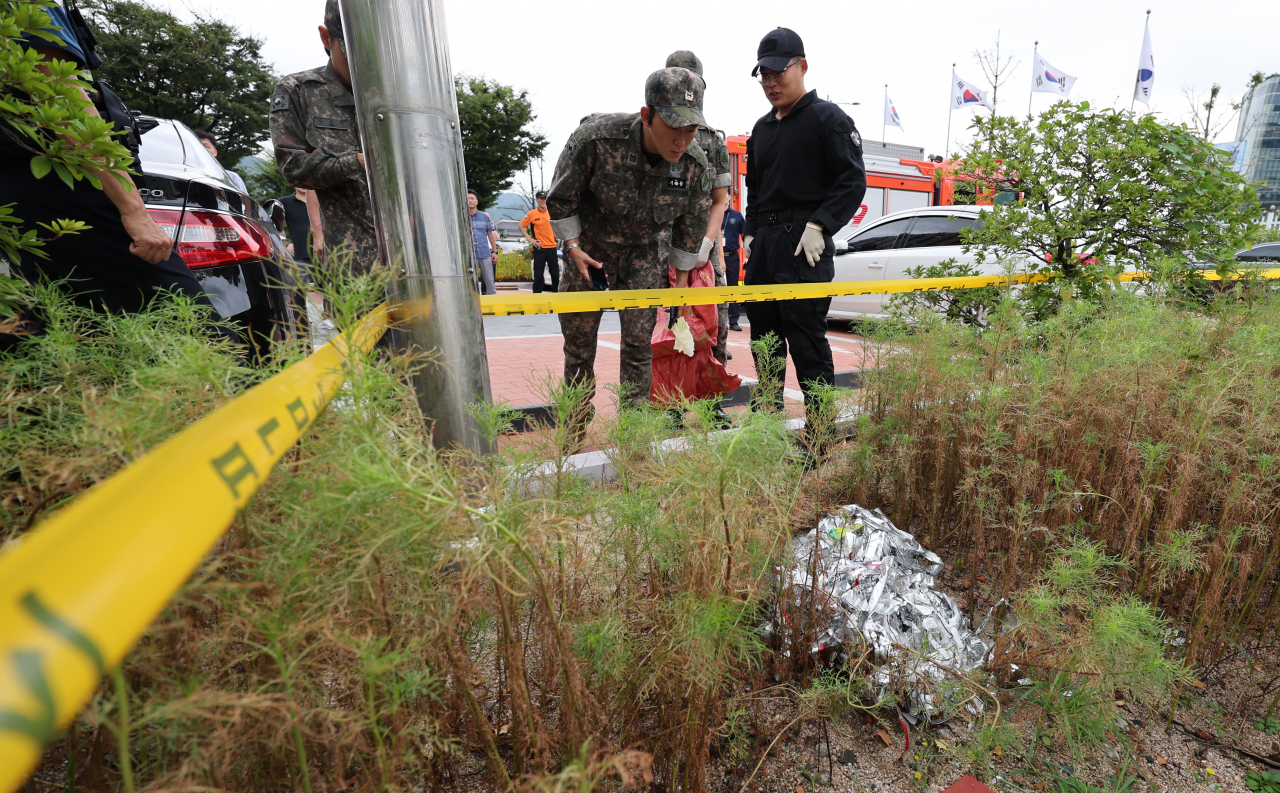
(963, 94)
(891, 113)
(1146, 70)
(1048, 79)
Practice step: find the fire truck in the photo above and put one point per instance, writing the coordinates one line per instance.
(893, 183)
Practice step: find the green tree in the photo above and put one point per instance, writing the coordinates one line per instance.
(1105, 189)
(264, 179)
(205, 74)
(496, 138)
(48, 116)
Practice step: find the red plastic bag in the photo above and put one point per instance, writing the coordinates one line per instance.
(676, 376)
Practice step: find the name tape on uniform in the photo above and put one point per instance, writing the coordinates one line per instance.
(78, 590)
(570, 302)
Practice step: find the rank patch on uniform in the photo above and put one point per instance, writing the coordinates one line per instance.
(857, 139)
(279, 102)
(676, 183)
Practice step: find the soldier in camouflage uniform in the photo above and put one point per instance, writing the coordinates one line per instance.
(717, 155)
(631, 194)
(317, 144)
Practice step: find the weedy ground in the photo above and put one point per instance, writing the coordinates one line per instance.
(384, 617)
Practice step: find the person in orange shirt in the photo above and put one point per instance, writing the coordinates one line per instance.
(543, 242)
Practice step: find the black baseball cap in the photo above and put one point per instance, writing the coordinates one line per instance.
(777, 49)
(540, 194)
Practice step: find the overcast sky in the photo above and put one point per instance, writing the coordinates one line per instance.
(576, 57)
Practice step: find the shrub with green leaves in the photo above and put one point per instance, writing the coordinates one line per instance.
(49, 115)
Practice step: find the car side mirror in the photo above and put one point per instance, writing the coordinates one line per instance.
(842, 246)
(275, 210)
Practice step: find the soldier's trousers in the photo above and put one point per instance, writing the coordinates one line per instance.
(627, 268)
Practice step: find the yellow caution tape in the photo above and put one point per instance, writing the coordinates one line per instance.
(79, 589)
(570, 302)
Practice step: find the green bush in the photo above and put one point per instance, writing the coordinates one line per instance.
(514, 266)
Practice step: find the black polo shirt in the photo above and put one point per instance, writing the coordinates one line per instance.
(809, 161)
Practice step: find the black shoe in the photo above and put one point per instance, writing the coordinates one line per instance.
(721, 420)
(677, 417)
(728, 356)
(735, 326)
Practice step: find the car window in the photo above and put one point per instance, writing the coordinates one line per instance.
(931, 231)
(162, 145)
(197, 155)
(879, 238)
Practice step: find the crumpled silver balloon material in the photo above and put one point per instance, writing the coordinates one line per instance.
(875, 584)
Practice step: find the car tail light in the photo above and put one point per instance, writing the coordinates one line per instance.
(209, 239)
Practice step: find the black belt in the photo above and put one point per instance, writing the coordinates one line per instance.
(789, 216)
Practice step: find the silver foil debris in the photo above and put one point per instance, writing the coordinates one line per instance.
(874, 583)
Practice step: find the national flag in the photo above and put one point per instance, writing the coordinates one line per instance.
(1146, 69)
(1047, 79)
(964, 94)
(891, 113)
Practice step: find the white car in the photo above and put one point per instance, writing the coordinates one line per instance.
(885, 248)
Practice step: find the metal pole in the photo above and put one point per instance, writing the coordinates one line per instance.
(1035, 56)
(946, 148)
(883, 120)
(408, 116)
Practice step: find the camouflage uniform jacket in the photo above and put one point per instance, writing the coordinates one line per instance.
(717, 155)
(605, 194)
(316, 139)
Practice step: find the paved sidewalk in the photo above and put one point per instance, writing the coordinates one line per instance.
(525, 351)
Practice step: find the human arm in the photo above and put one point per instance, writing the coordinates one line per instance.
(524, 231)
(843, 156)
(147, 240)
(750, 217)
(573, 173)
(719, 203)
(317, 225)
(302, 165)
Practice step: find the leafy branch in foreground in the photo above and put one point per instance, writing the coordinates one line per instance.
(44, 109)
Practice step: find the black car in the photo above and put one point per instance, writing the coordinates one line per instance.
(230, 243)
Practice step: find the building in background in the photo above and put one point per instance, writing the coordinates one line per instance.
(1256, 149)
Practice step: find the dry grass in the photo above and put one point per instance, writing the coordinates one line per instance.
(382, 617)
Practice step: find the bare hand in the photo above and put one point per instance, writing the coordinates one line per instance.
(583, 261)
(360, 157)
(150, 243)
(317, 245)
(289, 248)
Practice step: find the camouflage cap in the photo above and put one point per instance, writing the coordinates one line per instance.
(333, 22)
(676, 93)
(685, 60)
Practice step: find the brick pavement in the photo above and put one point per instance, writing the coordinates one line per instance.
(520, 366)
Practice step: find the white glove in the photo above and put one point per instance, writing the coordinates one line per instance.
(746, 247)
(811, 243)
(704, 252)
(684, 337)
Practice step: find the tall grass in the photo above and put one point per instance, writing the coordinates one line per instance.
(1139, 424)
(383, 616)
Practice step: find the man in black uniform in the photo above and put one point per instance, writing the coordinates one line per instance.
(805, 179)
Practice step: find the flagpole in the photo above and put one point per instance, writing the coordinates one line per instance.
(883, 120)
(946, 147)
(1137, 76)
(1032, 92)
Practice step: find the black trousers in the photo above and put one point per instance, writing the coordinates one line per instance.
(731, 265)
(545, 258)
(799, 325)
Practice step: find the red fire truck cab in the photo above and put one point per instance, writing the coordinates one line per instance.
(893, 184)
